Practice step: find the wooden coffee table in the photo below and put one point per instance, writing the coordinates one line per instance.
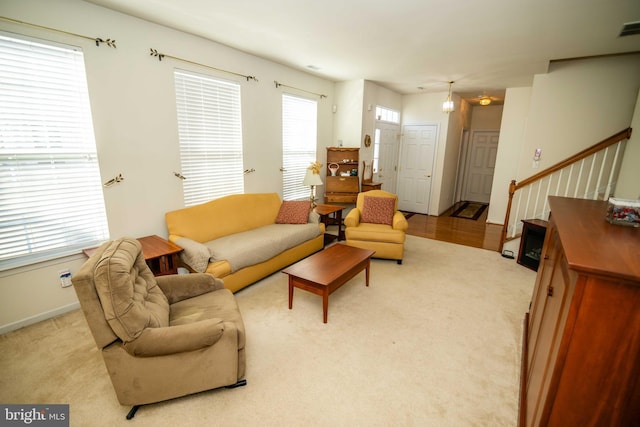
(327, 270)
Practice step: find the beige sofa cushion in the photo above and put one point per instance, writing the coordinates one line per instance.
(128, 292)
(260, 244)
(195, 254)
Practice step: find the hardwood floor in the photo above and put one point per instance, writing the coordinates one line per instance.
(461, 231)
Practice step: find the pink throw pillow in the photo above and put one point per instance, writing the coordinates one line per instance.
(294, 212)
(378, 210)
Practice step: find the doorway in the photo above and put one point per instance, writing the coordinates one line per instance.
(417, 154)
(385, 155)
(480, 161)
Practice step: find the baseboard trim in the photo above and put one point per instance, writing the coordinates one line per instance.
(38, 318)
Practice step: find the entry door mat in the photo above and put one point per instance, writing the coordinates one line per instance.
(470, 210)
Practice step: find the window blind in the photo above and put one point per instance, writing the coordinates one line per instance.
(299, 140)
(51, 201)
(210, 132)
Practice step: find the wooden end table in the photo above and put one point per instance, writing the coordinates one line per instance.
(160, 254)
(325, 211)
(325, 271)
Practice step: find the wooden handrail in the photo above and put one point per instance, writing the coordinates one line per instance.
(625, 134)
(513, 186)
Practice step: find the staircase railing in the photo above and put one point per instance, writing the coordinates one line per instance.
(590, 174)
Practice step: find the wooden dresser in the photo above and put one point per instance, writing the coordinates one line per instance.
(342, 189)
(581, 344)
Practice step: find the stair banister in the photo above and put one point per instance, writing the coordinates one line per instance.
(568, 162)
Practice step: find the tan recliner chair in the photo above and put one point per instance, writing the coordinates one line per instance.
(160, 337)
(376, 224)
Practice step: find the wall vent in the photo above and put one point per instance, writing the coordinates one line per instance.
(630, 29)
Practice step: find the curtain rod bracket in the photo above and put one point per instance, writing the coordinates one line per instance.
(154, 52)
(108, 42)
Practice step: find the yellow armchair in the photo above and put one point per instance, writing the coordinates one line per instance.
(376, 224)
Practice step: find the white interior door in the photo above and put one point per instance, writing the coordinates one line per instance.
(385, 169)
(417, 154)
(481, 162)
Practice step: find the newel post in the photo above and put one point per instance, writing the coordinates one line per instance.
(505, 226)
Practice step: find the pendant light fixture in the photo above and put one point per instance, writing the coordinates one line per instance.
(447, 106)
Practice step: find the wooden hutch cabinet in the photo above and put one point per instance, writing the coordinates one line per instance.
(342, 189)
(581, 343)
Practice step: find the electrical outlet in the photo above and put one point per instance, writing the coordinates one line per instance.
(65, 278)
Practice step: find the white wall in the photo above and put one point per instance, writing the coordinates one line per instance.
(349, 97)
(375, 95)
(451, 154)
(575, 105)
(512, 128)
(356, 103)
(426, 109)
(133, 105)
(488, 117)
(629, 179)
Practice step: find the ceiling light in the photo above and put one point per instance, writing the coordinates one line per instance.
(447, 106)
(485, 100)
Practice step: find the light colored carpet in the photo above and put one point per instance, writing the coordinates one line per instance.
(432, 342)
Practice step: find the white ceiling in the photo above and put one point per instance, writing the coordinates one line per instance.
(484, 46)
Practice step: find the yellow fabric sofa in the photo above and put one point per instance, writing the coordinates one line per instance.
(207, 230)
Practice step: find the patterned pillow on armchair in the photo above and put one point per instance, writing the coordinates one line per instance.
(378, 210)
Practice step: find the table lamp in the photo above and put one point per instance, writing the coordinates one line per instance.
(312, 179)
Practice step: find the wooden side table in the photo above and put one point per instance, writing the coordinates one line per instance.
(161, 255)
(325, 211)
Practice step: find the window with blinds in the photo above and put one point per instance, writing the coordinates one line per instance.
(51, 201)
(210, 131)
(299, 140)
